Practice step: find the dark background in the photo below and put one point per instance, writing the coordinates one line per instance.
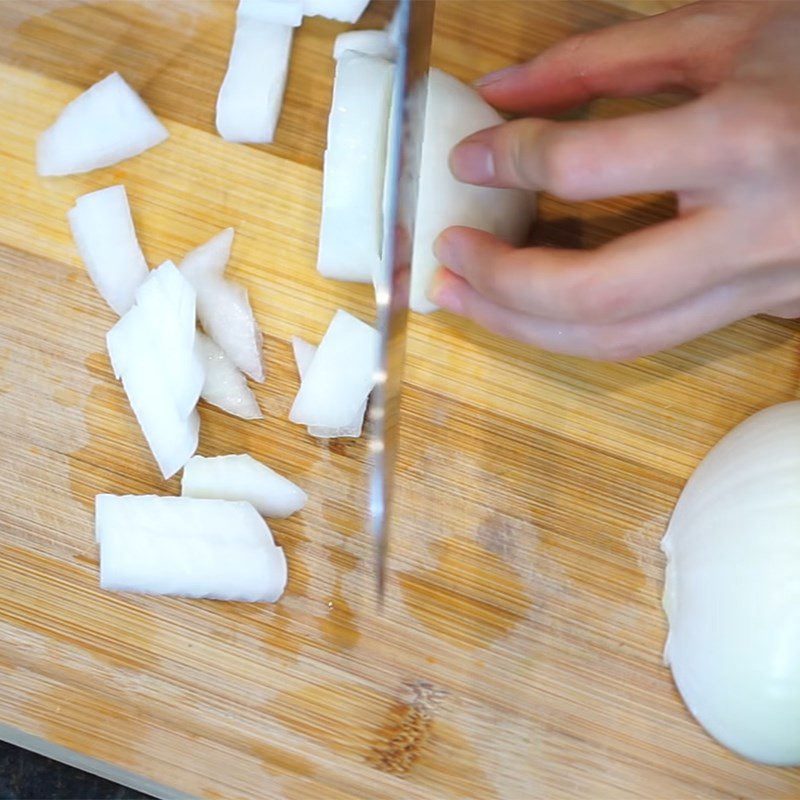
(29, 776)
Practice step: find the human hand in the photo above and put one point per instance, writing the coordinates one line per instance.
(731, 155)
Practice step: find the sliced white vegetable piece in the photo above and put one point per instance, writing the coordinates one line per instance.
(280, 12)
(150, 563)
(152, 350)
(106, 240)
(368, 43)
(218, 519)
(732, 588)
(166, 302)
(109, 122)
(241, 477)
(303, 355)
(341, 10)
(225, 386)
(250, 98)
(351, 229)
(223, 307)
(341, 375)
(187, 546)
(454, 111)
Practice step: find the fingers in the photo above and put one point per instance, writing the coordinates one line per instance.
(670, 150)
(690, 48)
(633, 275)
(615, 342)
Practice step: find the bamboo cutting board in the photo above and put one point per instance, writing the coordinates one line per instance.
(519, 652)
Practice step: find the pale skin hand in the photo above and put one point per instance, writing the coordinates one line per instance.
(731, 155)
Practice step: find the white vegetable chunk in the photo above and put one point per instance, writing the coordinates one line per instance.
(280, 12)
(341, 374)
(108, 123)
(241, 477)
(190, 547)
(351, 229)
(251, 95)
(368, 43)
(225, 386)
(303, 356)
(106, 240)
(454, 111)
(223, 307)
(341, 10)
(732, 588)
(152, 350)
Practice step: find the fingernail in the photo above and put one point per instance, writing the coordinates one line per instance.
(445, 293)
(445, 253)
(497, 75)
(472, 162)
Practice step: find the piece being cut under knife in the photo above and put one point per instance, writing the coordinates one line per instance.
(414, 27)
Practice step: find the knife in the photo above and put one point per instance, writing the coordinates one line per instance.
(414, 27)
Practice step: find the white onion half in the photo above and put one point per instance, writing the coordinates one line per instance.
(106, 240)
(190, 547)
(303, 356)
(341, 10)
(341, 374)
(109, 122)
(351, 229)
(453, 111)
(225, 386)
(732, 588)
(251, 95)
(223, 307)
(241, 477)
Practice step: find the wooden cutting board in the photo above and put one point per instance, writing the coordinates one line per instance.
(519, 652)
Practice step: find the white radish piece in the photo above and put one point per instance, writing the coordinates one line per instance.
(188, 517)
(351, 228)
(368, 43)
(225, 386)
(341, 10)
(106, 240)
(223, 307)
(732, 588)
(150, 563)
(280, 12)
(189, 547)
(108, 123)
(241, 477)
(341, 374)
(152, 350)
(303, 355)
(454, 111)
(165, 302)
(251, 95)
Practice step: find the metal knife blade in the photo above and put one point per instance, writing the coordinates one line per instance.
(414, 23)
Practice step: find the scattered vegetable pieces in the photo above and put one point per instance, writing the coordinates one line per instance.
(225, 386)
(152, 351)
(190, 547)
(340, 376)
(108, 123)
(303, 356)
(222, 306)
(241, 477)
(251, 95)
(106, 240)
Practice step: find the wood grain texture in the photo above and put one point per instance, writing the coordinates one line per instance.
(519, 653)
